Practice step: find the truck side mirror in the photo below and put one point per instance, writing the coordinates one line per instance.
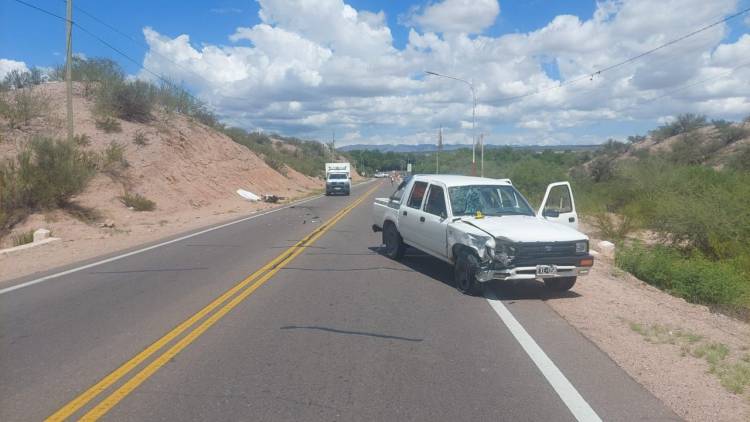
(443, 215)
(551, 213)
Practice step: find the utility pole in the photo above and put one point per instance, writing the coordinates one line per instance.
(473, 130)
(481, 146)
(69, 69)
(439, 148)
(333, 145)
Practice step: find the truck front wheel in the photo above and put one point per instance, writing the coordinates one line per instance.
(560, 284)
(465, 271)
(394, 244)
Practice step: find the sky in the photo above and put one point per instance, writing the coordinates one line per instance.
(309, 68)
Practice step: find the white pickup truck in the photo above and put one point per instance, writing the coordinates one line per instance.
(486, 229)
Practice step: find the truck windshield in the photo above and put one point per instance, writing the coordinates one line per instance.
(490, 200)
(337, 176)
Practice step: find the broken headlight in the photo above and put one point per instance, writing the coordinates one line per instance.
(504, 252)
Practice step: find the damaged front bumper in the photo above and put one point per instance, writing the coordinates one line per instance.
(489, 271)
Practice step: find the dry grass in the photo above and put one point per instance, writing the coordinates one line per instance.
(23, 238)
(140, 139)
(613, 227)
(108, 124)
(22, 105)
(733, 374)
(138, 202)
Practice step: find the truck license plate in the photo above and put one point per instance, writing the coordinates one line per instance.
(546, 270)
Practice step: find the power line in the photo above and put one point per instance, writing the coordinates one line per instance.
(101, 40)
(590, 76)
(135, 40)
(149, 49)
(42, 10)
(688, 85)
(118, 51)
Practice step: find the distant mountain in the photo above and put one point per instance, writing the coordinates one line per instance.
(424, 148)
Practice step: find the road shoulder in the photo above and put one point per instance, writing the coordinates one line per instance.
(656, 338)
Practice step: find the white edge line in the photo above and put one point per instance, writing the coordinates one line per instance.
(569, 395)
(158, 245)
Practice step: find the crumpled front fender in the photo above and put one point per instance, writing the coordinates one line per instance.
(470, 237)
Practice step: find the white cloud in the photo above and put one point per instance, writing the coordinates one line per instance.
(462, 16)
(330, 23)
(7, 66)
(311, 66)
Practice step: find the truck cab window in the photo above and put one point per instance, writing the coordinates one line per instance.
(435, 201)
(417, 194)
(399, 193)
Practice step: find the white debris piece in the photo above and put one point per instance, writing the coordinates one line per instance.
(41, 234)
(248, 195)
(606, 248)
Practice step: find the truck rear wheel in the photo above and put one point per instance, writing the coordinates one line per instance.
(394, 244)
(560, 284)
(464, 273)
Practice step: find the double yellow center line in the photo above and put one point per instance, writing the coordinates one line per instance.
(224, 303)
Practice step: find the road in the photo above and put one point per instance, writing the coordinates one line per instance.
(330, 330)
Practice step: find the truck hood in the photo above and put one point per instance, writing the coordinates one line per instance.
(524, 228)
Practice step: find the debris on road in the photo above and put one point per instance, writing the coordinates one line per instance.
(272, 198)
(248, 195)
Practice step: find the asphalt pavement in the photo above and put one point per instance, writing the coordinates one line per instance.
(311, 323)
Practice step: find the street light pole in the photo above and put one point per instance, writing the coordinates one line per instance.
(473, 117)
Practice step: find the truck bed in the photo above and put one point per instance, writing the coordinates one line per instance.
(382, 208)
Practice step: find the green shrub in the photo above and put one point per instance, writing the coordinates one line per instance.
(127, 100)
(741, 160)
(95, 69)
(108, 124)
(23, 105)
(137, 202)
(113, 158)
(23, 238)
(687, 206)
(92, 73)
(735, 377)
(140, 139)
(682, 124)
(693, 277)
(82, 140)
(46, 174)
(307, 158)
(16, 79)
(613, 228)
(602, 169)
(731, 134)
(689, 149)
(176, 99)
(636, 139)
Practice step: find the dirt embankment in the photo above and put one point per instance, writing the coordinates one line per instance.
(188, 169)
